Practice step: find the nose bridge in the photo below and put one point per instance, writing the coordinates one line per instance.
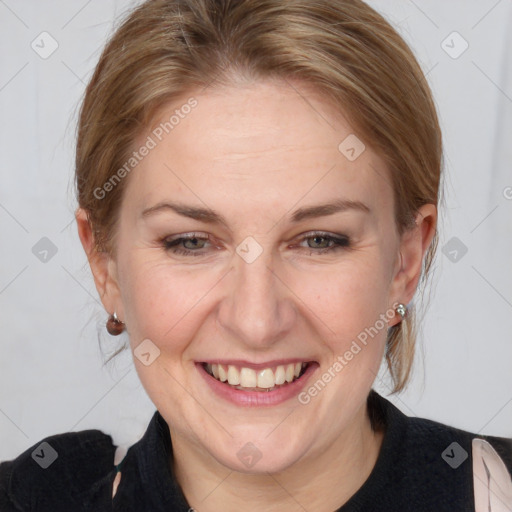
(257, 311)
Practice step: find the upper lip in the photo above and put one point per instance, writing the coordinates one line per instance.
(256, 366)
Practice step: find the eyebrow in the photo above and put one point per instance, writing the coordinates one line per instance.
(211, 217)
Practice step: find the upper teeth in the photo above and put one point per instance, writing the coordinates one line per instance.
(249, 378)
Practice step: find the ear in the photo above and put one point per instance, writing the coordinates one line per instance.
(102, 265)
(412, 249)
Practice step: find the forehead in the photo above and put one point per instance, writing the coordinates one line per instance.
(274, 142)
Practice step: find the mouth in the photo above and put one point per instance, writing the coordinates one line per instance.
(264, 380)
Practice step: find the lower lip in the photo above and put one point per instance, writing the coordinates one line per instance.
(257, 398)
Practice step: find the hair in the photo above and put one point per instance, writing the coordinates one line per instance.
(344, 49)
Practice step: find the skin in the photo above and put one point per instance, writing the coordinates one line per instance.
(255, 153)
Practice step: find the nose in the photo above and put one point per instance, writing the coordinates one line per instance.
(258, 308)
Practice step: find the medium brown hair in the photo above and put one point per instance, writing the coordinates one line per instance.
(343, 48)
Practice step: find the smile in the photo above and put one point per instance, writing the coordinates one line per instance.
(260, 380)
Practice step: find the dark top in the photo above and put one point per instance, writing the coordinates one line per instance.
(419, 469)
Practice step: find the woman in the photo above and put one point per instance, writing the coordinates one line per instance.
(258, 185)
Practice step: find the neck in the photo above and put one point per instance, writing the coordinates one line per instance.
(322, 481)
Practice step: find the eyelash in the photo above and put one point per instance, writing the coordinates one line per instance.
(339, 242)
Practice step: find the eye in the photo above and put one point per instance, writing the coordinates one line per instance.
(188, 245)
(325, 242)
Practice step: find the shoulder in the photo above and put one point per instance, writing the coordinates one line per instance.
(478, 467)
(74, 470)
(456, 445)
(427, 465)
(426, 439)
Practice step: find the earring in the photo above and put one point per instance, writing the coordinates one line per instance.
(114, 326)
(401, 310)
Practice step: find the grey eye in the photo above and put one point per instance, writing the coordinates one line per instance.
(194, 243)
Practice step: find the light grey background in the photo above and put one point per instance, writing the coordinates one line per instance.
(51, 374)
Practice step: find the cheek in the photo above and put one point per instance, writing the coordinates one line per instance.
(161, 301)
(348, 298)
(165, 305)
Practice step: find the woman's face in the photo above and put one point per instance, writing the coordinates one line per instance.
(250, 244)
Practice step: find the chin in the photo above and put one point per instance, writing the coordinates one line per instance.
(267, 455)
(255, 463)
